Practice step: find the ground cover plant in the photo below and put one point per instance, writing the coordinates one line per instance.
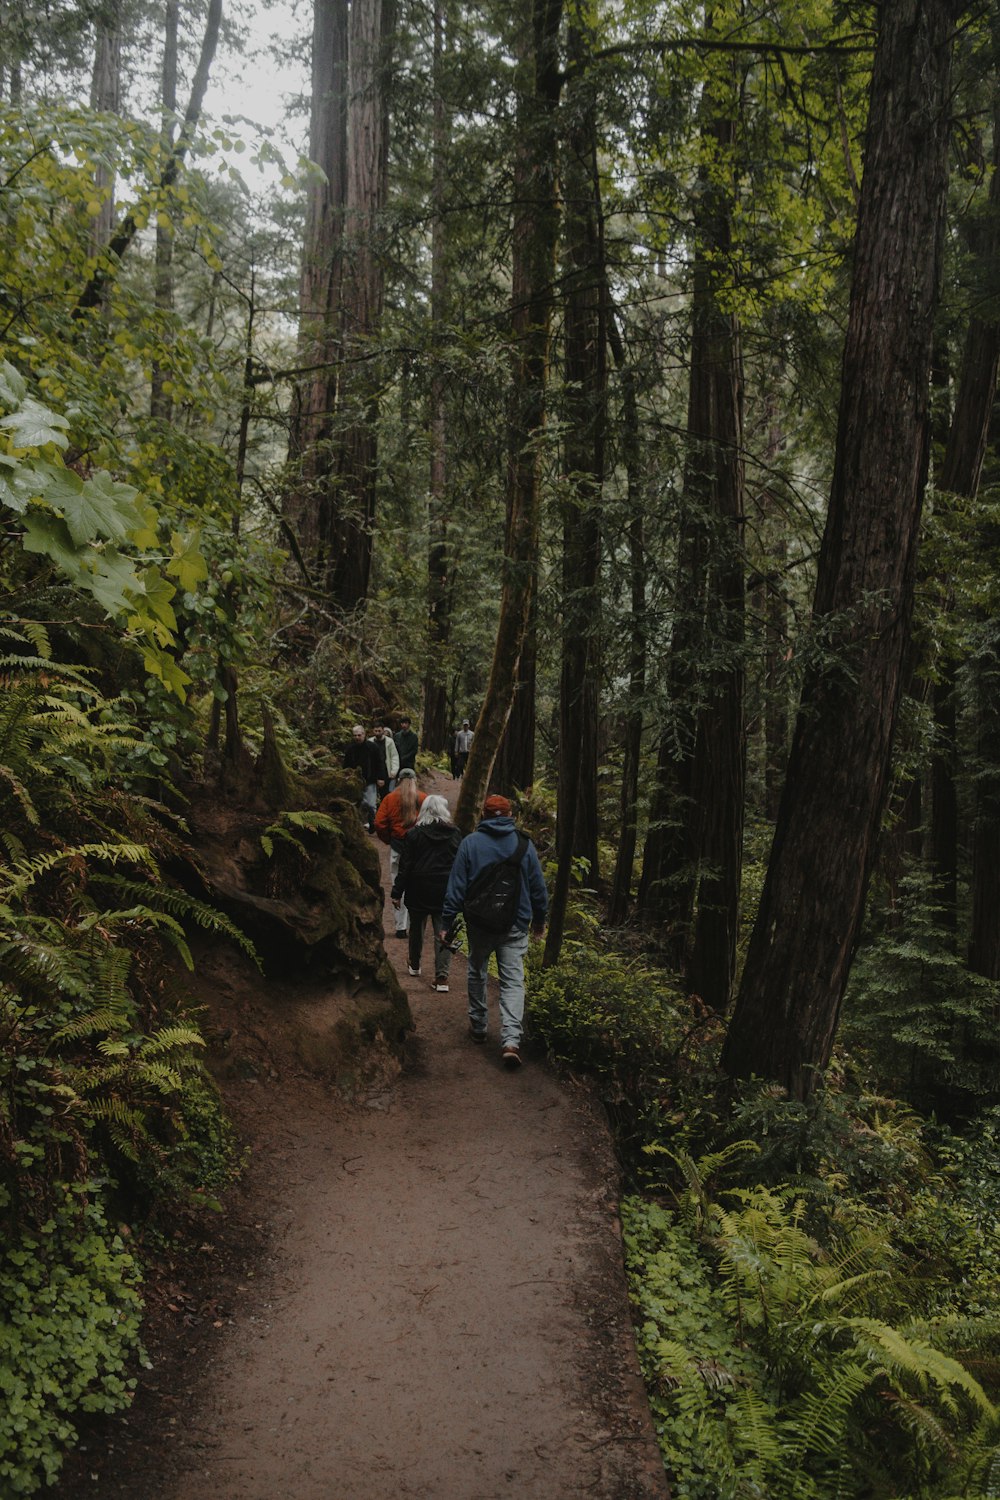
(814, 1286)
(107, 1115)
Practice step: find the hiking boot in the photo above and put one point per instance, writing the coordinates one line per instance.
(411, 970)
(511, 1057)
(441, 984)
(477, 1036)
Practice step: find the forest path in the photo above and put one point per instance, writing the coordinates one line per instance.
(444, 1314)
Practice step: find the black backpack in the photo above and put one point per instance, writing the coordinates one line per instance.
(492, 898)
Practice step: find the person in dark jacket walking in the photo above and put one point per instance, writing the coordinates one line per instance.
(360, 755)
(496, 839)
(406, 743)
(425, 862)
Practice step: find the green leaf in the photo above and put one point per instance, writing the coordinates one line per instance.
(113, 580)
(97, 507)
(33, 425)
(48, 534)
(13, 386)
(187, 564)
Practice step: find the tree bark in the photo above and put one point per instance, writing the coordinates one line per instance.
(107, 267)
(435, 728)
(585, 402)
(621, 884)
(697, 855)
(160, 401)
(812, 906)
(534, 240)
(330, 506)
(105, 96)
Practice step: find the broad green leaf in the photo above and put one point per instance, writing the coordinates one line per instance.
(113, 578)
(13, 386)
(33, 425)
(48, 534)
(187, 564)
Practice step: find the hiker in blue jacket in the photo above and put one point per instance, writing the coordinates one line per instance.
(494, 840)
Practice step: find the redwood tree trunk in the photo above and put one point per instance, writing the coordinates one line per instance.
(160, 401)
(330, 506)
(534, 240)
(435, 728)
(811, 910)
(586, 391)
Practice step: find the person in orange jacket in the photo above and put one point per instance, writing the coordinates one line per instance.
(396, 815)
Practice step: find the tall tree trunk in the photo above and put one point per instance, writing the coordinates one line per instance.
(586, 394)
(984, 939)
(621, 884)
(435, 727)
(105, 96)
(812, 906)
(961, 473)
(534, 241)
(160, 401)
(331, 504)
(700, 855)
(124, 236)
(353, 514)
(514, 766)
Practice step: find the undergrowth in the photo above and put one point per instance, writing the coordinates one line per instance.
(815, 1287)
(105, 1107)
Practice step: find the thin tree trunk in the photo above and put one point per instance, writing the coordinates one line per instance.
(160, 401)
(699, 854)
(105, 96)
(812, 906)
(107, 267)
(586, 394)
(514, 766)
(435, 727)
(534, 240)
(621, 884)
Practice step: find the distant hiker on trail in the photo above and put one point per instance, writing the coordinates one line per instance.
(425, 862)
(391, 758)
(497, 882)
(406, 743)
(396, 815)
(360, 754)
(463, 744)
(377, 738)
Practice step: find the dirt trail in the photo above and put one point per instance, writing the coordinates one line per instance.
(444, 1315)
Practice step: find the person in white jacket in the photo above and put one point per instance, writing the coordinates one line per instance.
(391, 759)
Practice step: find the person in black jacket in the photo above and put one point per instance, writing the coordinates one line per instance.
(406, 743)
(360, 755)
(425, 862)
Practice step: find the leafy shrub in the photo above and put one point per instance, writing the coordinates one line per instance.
(69, 1327)
(652, 1050)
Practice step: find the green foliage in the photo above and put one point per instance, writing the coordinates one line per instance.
(918, 1012)
(69, 1329)
(774, 1369)
(102, 1093)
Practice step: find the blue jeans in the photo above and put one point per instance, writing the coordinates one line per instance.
(510, 948)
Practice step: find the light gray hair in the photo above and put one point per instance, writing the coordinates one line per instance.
(435, 809)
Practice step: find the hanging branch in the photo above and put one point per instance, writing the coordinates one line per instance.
(93, 292)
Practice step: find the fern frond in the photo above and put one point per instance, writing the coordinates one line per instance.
(178, 904)
(107, 1019)
(21, 793)
(169, 1039)
(917, 1360)
(819, 1420)
(26, 872)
